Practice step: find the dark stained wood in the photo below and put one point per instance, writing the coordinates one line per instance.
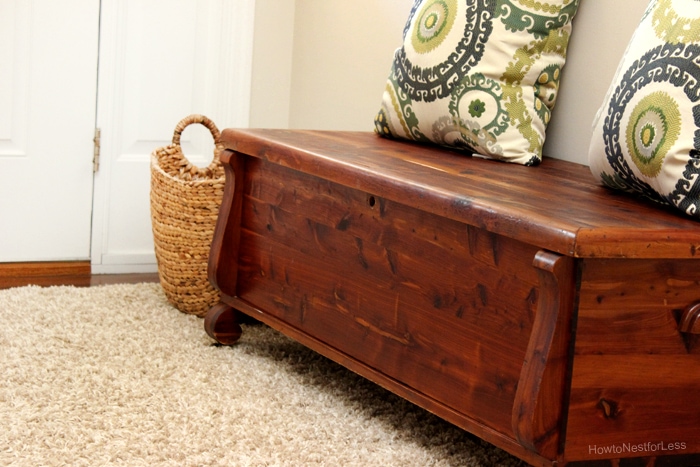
(398, 387)
(549, 206)
(44, 273)
(222, 324)
(50, 273)
(690, 321)
(636, 302)
(226, 241)
(373, 271)
(636, 377)
(540, 402)
(529, 306)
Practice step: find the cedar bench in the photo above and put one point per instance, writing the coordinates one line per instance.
(550, 316)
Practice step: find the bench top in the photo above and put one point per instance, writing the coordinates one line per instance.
(556, 206)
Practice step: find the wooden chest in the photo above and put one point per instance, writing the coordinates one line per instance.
(550, 316)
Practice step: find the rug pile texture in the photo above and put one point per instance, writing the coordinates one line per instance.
(115, 376)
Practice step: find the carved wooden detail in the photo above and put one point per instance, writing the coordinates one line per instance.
(413, 266)
(538, 411)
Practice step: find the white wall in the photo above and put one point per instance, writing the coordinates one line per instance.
(342, 57)
(323, 64)
(332, 57)
(272, 64)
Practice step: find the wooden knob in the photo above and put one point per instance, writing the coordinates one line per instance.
(690, 320)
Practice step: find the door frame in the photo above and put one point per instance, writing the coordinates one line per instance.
(224, 41)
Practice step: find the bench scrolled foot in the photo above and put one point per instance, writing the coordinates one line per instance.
(222, 324)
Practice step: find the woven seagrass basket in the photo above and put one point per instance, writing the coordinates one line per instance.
(185, 201)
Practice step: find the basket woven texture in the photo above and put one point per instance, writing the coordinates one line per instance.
(185, 201)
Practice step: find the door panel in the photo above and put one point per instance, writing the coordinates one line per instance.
(48, 52)
(160, 61)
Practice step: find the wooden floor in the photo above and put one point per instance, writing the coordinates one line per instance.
(63, 273)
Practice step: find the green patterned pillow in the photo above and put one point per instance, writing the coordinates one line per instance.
(480, 75)
(646, 137)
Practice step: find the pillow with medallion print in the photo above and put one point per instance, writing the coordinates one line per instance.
(646, 137)
(478, 75)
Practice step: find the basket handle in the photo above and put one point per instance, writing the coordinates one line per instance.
(209, 124)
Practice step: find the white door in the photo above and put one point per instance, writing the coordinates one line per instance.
(48, 70)
(160, 60)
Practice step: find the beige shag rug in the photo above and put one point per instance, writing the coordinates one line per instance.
(113, 375)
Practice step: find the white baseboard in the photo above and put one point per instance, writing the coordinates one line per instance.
(125, 263)
(123, 268)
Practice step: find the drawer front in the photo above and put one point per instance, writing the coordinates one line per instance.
(445, 308)
(635, 389)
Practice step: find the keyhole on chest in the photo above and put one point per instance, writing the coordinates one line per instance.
(371, 201)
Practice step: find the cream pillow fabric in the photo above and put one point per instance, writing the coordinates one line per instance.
(479, 75)
(646, 136)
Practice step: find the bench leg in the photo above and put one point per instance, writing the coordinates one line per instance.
(222, 324)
